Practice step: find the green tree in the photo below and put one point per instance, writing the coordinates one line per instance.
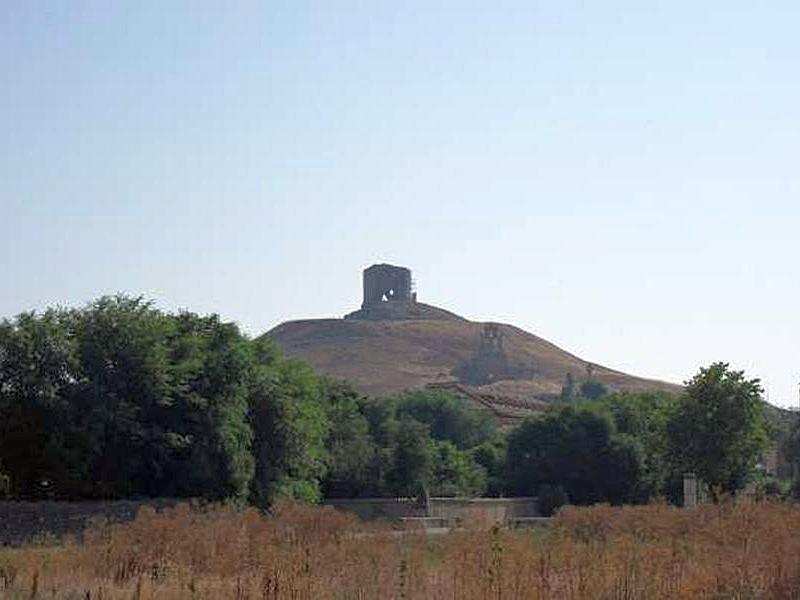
(290, 425)
(381, 415)
(790, 448)
(120, 342)
(624, 470)
(212, 364)
(643, 418)
(413, 459)
(454, 472)
(118, 399)
(39, 372)
(718, 430)
(352, 452)
(491, 455)
(574, 448)
(165, 398)
(448, 417)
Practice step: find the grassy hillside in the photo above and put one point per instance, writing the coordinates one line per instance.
(384, 356)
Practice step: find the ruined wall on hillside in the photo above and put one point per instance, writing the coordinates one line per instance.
(490, 363)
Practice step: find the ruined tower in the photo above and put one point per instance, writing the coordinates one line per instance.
(389, 296)
(386, 283)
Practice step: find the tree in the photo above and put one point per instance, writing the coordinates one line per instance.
(574, 448)
(118, 399)
(290, 426)
(791, 450)
(448, 417)
(454, 472)
(491, 455)
(352, 453)
(413, 460)
(165, 399)
(39, 369)
(212, 399)
(642, 417)
(718, 430)
(381, 416)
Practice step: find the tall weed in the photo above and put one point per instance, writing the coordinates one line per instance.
(733, 550)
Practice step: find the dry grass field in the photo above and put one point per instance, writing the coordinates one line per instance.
(745, 550)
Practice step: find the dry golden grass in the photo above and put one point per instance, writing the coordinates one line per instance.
(743, 550)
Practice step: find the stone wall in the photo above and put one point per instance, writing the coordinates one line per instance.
(496, 510)
(46, 521)
(452, 510)
(370, 509)
(26, 522)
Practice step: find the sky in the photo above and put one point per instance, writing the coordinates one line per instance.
(620, 178)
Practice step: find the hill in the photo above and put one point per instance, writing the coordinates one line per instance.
(385, 356)
(395, 343)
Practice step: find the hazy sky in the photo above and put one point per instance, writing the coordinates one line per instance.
(620, 178)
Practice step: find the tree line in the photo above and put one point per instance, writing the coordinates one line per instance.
(119, 399)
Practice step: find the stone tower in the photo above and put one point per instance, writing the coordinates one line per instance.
(386, 283)
(389, 296)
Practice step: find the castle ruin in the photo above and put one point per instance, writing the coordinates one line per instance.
(387, 283)
(389, 296)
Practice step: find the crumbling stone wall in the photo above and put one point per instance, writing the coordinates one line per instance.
(490, 362)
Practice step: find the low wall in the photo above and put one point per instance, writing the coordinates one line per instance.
(25, 522)
(370, 509)
(497, 510)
